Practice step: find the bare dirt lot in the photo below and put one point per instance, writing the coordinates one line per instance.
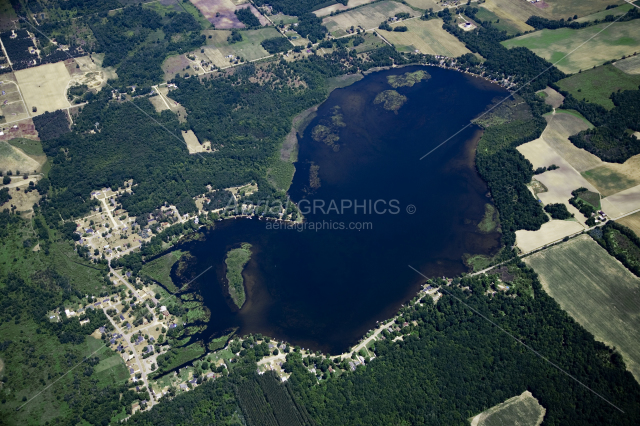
(597, 291)
(221, 12)
(562, 125)
(548, 233)
(193, 145)
(426, 36)
(629, 65)
(554, 99)
(559, 182)
(44, 87)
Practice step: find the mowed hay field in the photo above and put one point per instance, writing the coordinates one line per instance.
(597, 291)
(521, 410)
(367, 16)
(558, 9)
(249, 48)
(611, 178)
(44, 87)
(629, 65)
(427, 37)
(597, 84)
(515, 12)
(619, 39)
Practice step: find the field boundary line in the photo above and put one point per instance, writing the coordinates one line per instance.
(524, 344)
(524, 85)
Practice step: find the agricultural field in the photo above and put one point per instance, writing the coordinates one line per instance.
(622, 202)
(551, 97)
(427, 37)
(221, 14)
(501, 20)
(557, 9)
(426, 4)
(366, 17)
(521, 410)
(597, 84)
(616, 11)
(620, 39)
(629, 65)
(550, 232)
(597, 291)
(44, 87)
(612, 178)
(632, 221)
(512, 14)
(339, 7)
(250, 49)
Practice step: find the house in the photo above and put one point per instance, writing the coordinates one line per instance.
(102, 330)
(151, 339)
(131, 371)
(84, 321)
(150, 348)
(166, 313)
(163, 308)
(121, 318)
(173, 326)
(183, 386)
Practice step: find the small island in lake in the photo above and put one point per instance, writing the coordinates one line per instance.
(236, 260)
(407, 79)
(391, 100)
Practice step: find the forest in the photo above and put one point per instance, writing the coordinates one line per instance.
(612, 139)
(621, 243)
(247, 17)
(51, 125)
(449, 366)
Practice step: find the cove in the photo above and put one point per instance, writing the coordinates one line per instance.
(324, 288)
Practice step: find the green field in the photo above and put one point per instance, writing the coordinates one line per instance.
(597, 291)
(616, 11)
(30, 147)
(160, 269)
(522, 410)
(236, 261)
(281, 174)
(249, 48)
(500, 23)
(619, 39)
(597, 84)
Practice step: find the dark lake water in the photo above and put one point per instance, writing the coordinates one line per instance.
(324, 289)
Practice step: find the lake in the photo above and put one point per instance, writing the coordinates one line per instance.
(324, 288)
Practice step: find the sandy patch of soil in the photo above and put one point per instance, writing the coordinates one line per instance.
(550, 232)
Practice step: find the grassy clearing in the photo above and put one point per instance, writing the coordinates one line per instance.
(522, 410)
(426, 36)
(612, 42)
(366, 17)
(503, 23)
(616, 11)
(597, 84)
(513, 13)
(281, 174)
(193, 11)
(565, 8)
(284, 19)
(597, 291)
(490, 220)
(13, 159)
(44, 87)
(178, 356)
(28, 146)
(249, 48)
(236, 261)
(160, 269)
